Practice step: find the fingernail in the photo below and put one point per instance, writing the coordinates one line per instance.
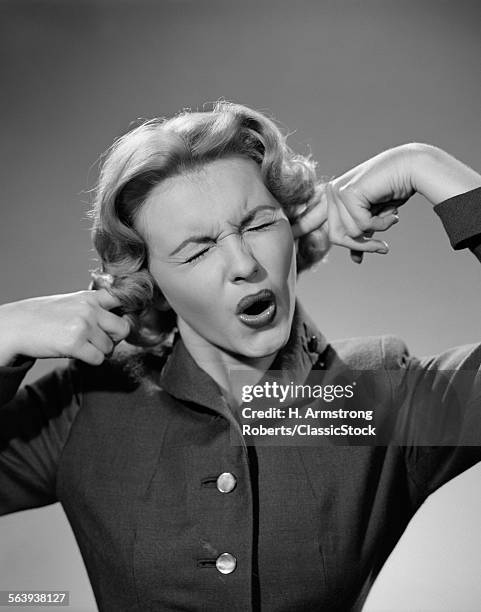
(384, 249)
(395, 217)
(388, 211)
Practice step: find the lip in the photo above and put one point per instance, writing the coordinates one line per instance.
(263, 318)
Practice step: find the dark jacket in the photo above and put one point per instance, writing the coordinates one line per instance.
(289, 526)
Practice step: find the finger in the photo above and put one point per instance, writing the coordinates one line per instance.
(118, 328)
(339, 236)
(334, 222)
(357, 256)
(90, 354)
(106, 299)
(350, 226)
(388, 210)
(310, 219)
(379, 207)
(389, 218)
(101, 340)
(391, 214)
(362, 212)
(381, 224)
(365, 245)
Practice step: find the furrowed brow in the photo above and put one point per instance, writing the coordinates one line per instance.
(191, 240)
(198, 239)
(252, 214)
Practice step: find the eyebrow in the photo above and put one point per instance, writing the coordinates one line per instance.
(201, 239)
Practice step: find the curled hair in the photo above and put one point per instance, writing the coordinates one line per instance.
(161, 148)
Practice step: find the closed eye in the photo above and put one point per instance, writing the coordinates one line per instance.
(200, 254)
(260, 227)
(197, 256)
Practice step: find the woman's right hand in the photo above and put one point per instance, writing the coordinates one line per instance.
(78, 325)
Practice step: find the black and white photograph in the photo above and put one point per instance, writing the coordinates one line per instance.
(240, 340)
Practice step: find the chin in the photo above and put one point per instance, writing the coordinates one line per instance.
(266, 344)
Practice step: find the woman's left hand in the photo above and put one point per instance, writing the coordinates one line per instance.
(360, 202)
(366, 199)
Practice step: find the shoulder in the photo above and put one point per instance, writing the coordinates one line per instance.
(370, 352)
(128, 368)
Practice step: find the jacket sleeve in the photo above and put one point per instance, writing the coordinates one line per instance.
(436, 402)
(35, 422)
(437, 399)
(461, 218)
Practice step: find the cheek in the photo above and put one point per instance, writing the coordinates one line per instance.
(278, 252)
(198, 290)
(186, 294)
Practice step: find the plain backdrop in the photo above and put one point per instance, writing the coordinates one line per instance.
(347, 79)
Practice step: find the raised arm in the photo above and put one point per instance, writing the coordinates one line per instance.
(34, 425)
(35, 421)
(436, 400)
(366, 198)
(78, 325)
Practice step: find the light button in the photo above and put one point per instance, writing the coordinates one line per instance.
(226, 563)
(226, 482)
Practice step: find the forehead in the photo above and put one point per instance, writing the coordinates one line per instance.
(219, 192)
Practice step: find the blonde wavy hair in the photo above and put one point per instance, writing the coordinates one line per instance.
(160, 148)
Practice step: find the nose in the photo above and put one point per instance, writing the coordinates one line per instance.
(241, 261)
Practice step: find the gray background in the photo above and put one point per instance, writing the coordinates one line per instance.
(348, 79)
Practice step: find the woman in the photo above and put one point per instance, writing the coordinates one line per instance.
(201, 223)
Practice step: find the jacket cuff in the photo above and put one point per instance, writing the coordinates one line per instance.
(11, 377)
(461, 218)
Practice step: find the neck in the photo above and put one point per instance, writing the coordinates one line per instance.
(219, 364)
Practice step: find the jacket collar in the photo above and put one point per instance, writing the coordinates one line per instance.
(185, 380)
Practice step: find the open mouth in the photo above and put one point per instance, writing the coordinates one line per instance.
(257, 309)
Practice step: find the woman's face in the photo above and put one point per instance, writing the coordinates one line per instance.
(215, 236)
